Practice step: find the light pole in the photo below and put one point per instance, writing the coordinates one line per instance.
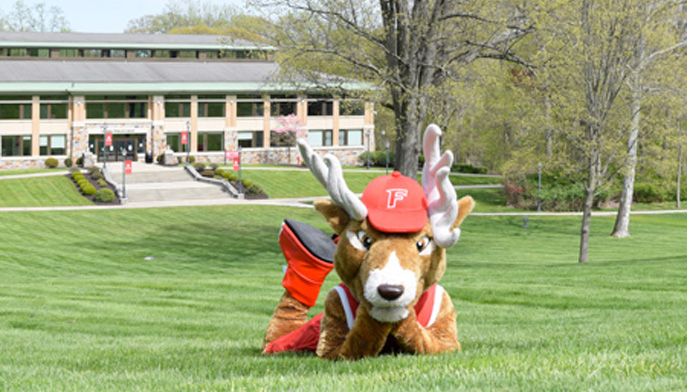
(124, 172)
(104, 145)
(368, 148)
(386, 148)
(240, 185)
(539, 193)
(188, 142)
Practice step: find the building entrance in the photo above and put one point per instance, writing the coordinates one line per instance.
(132, 143)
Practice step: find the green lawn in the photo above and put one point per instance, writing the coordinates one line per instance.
(25, 171)
(82, 309)
(290, 183)
(40, 192)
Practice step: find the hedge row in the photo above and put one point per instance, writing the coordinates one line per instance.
(86, 187)
(248, 186)
(378, 159)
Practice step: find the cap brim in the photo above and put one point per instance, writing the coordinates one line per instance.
(406, 221)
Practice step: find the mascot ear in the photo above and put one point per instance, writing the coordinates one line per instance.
(465, 206)
(336, 217)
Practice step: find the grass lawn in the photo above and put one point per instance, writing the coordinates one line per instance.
(27, 171)
(290, 183)
(40, 192)
(82, 309)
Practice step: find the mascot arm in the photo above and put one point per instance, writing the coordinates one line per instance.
(366, 338)
(438, 338)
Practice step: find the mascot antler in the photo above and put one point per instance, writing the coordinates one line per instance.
(441, 195)
(331, 178)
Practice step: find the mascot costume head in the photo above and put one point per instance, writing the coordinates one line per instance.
(389, 251)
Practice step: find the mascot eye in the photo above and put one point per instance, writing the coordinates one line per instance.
(425, 246)
(365, 239)
(359, 240)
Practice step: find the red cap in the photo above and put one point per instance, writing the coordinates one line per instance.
(395, 204)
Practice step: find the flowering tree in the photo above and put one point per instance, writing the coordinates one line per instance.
(290, 128)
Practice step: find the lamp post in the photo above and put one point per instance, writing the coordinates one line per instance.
(386, 149)
(124, 172)
(240, 185)
(539, 192)
(368, 148)
(104, 145)
(188, 142)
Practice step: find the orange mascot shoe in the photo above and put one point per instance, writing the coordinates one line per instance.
(309, 253)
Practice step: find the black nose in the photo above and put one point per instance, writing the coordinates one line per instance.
(390, 291)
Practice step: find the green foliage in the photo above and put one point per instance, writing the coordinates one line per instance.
(96, 175)
(230, 175)
(192, 159)
(68, 162)
(102, 182)
(88, 189)
(104, 195)
(468, 168)
(214, 166)
(160, 158)
(558, 193)
(254, 189)
(77, 175)
(207, 173)
(378, 158)
(51, 163)
(199, 166)
(38, 17)
(74, 169)
(79, 161)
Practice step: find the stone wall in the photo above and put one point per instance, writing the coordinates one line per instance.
(280, 155)
(17, 163)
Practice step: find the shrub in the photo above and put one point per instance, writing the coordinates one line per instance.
(74, 169)
(160, 158)
(82, 183)
(88, 189)
(79, 161)
(102, 182)
(51, 163)
(199, 167)
(68, 162)
(468, 168)
(96, 175)
(104, 195)
(219, 172)
(378, 158)
(94, 169)
(230, 176)
(254, 190)
(207, 173)
(77, 175)
(192, 159)
(214, 166)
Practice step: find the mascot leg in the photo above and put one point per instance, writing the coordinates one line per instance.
(309, 253)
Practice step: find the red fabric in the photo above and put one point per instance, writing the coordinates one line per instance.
(304, 338)
(395, 204)
(306, 273)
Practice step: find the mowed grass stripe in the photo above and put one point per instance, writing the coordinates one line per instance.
(40, 192)
(81, 308)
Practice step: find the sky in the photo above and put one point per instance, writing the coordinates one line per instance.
(112, 16)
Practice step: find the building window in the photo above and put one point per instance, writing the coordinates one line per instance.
(250, 139)
(188, 54)
(116, 107)
(93, 53)
(211, 106)
(118, 53)
(350, 137)
(210, 141)
(69, 53)
(177, 106)
(318, 138)
(16, 146)
(53, 145)
(39, 52)
(249, 106)
(164, 54)
(282, 105)
(174, 142)
(320, 107)
(53, 107)
(15, 108)
(143, 54)
(352, 108)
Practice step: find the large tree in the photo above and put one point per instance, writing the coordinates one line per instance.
(406, 49)
(37, 17)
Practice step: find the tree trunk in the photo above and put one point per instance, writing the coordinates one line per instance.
(622, 220)
(548, 134)
(590, 190)
(679, 163)
(408, 122)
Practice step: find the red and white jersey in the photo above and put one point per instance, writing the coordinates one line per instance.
(426, 308)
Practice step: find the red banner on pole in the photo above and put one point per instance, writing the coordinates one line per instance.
(236, 164)
(184, 138)
(232, 154)
(127, 166)
(108, 139)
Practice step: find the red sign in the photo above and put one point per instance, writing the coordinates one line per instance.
(236, 164)
(232, 154)
(184, 138)
(108, 139)
(127, 166)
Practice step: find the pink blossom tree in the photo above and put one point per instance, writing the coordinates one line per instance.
(290, 128)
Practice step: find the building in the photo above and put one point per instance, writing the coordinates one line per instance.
(61, 92)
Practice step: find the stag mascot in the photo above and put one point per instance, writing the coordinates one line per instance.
(389, 253)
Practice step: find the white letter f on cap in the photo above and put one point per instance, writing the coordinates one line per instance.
(394, 196)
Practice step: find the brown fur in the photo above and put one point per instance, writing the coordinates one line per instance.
(289, 315)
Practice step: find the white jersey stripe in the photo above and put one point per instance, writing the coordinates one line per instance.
(347, 306)
(438, 296)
